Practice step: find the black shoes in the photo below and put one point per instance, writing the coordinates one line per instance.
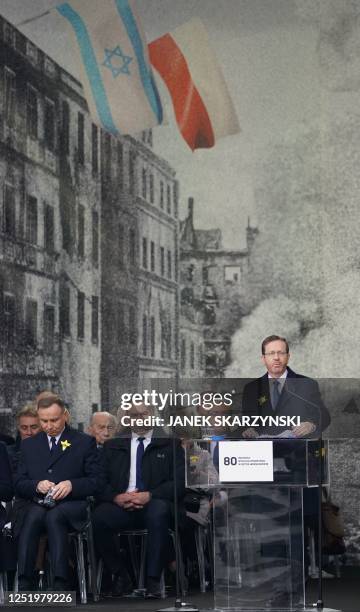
(122, 586)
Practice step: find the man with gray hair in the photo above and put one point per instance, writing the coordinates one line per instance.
(102, 427)
(28, 425)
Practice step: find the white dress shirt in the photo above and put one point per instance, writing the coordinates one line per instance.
(57, 438)
(281, 379)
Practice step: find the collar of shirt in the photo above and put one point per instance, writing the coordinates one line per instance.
(57, 438)
(281, 378)
(147, 436)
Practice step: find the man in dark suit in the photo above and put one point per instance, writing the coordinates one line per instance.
(6, 492)
(27, 422)
(63, 463)
(6, 485)
(139, 494)
(283, 392)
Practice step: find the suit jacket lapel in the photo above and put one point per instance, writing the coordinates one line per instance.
(59, 452)
(264, 405)
(264, 399)
(44, 448)
(285, 395)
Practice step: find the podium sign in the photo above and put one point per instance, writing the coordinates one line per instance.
(246, 461)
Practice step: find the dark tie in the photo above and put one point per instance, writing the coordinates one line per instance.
(275, 393)
(216, 456)
(139, 455)
(53, 444)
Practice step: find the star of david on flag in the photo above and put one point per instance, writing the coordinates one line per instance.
(113, 64)
(117, 62)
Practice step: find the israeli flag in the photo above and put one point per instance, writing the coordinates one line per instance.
(114, 66)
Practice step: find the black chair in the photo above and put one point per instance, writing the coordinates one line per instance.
(138, 563)
(83, 541)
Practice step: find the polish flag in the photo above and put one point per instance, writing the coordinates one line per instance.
(203, 108)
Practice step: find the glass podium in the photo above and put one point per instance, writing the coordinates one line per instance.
(258, 517)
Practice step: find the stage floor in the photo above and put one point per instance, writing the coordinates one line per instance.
(339, 593)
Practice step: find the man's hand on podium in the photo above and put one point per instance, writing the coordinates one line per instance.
(303, 430)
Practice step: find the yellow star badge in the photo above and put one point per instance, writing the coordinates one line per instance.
(262, 400)
(65, 444)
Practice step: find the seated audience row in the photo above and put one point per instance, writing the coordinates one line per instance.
(56, 469)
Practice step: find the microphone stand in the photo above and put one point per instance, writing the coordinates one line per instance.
(179, 603)
(320, 601)
(319, 605)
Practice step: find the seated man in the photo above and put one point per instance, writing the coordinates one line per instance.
(102, 426)
(27, 421)
(139, 494)
(6, 484)
(6, 492)
(57, 470)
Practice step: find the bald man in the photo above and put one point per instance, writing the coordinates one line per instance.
(102, 426)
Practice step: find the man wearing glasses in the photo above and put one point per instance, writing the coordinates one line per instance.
(283, 392)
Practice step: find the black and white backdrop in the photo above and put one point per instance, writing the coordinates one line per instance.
(293, 70)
